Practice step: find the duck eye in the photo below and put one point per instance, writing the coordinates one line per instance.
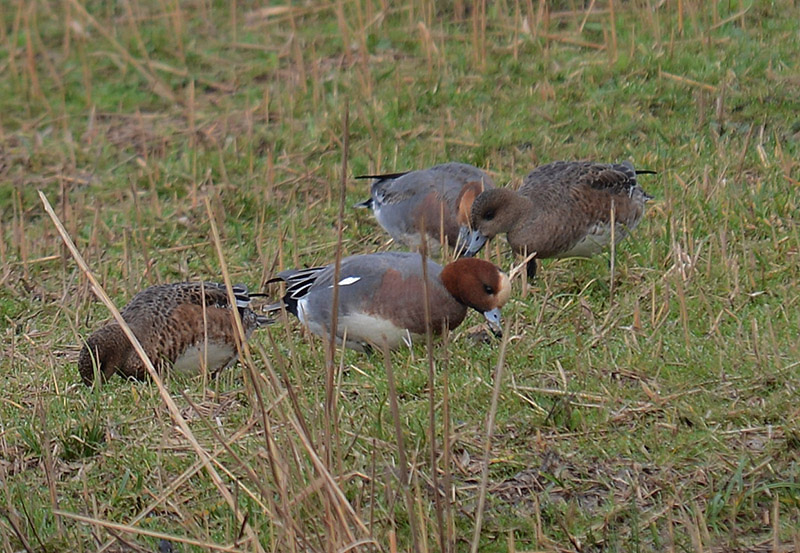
(489, 215)
(488, 289)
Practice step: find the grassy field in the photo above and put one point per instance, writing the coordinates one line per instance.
(655, 408)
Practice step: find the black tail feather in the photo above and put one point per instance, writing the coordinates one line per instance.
(383, 177)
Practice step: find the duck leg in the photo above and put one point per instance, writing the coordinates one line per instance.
(530, 268)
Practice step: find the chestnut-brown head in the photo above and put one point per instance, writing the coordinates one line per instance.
(480, 285)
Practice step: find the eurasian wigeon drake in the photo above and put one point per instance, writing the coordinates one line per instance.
(381, 297)
(441, 195)
(175, 329)
(562, 209)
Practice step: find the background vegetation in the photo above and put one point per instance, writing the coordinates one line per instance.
(650, 408)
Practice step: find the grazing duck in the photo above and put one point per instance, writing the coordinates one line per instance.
(381, 297)
(174, 328)
(562, 209)
(441, 195)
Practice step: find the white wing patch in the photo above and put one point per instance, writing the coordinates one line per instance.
(346, 281)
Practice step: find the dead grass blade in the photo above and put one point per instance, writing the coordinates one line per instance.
(276, 461)
(170, 403)
(150, 533)
(426, 296)
(175, 484)
(330, 365)
(490, 420)
(402, 459)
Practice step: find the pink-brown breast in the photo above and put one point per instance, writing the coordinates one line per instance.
(402, 302)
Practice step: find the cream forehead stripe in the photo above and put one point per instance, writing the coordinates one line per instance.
(504, 290)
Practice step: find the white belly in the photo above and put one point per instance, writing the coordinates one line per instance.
(216, 356)
(598, 237)
(357, 329)
(360, 327)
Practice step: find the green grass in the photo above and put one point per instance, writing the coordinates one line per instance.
(663, 417)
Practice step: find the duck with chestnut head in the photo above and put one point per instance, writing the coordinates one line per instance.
(381, 297)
